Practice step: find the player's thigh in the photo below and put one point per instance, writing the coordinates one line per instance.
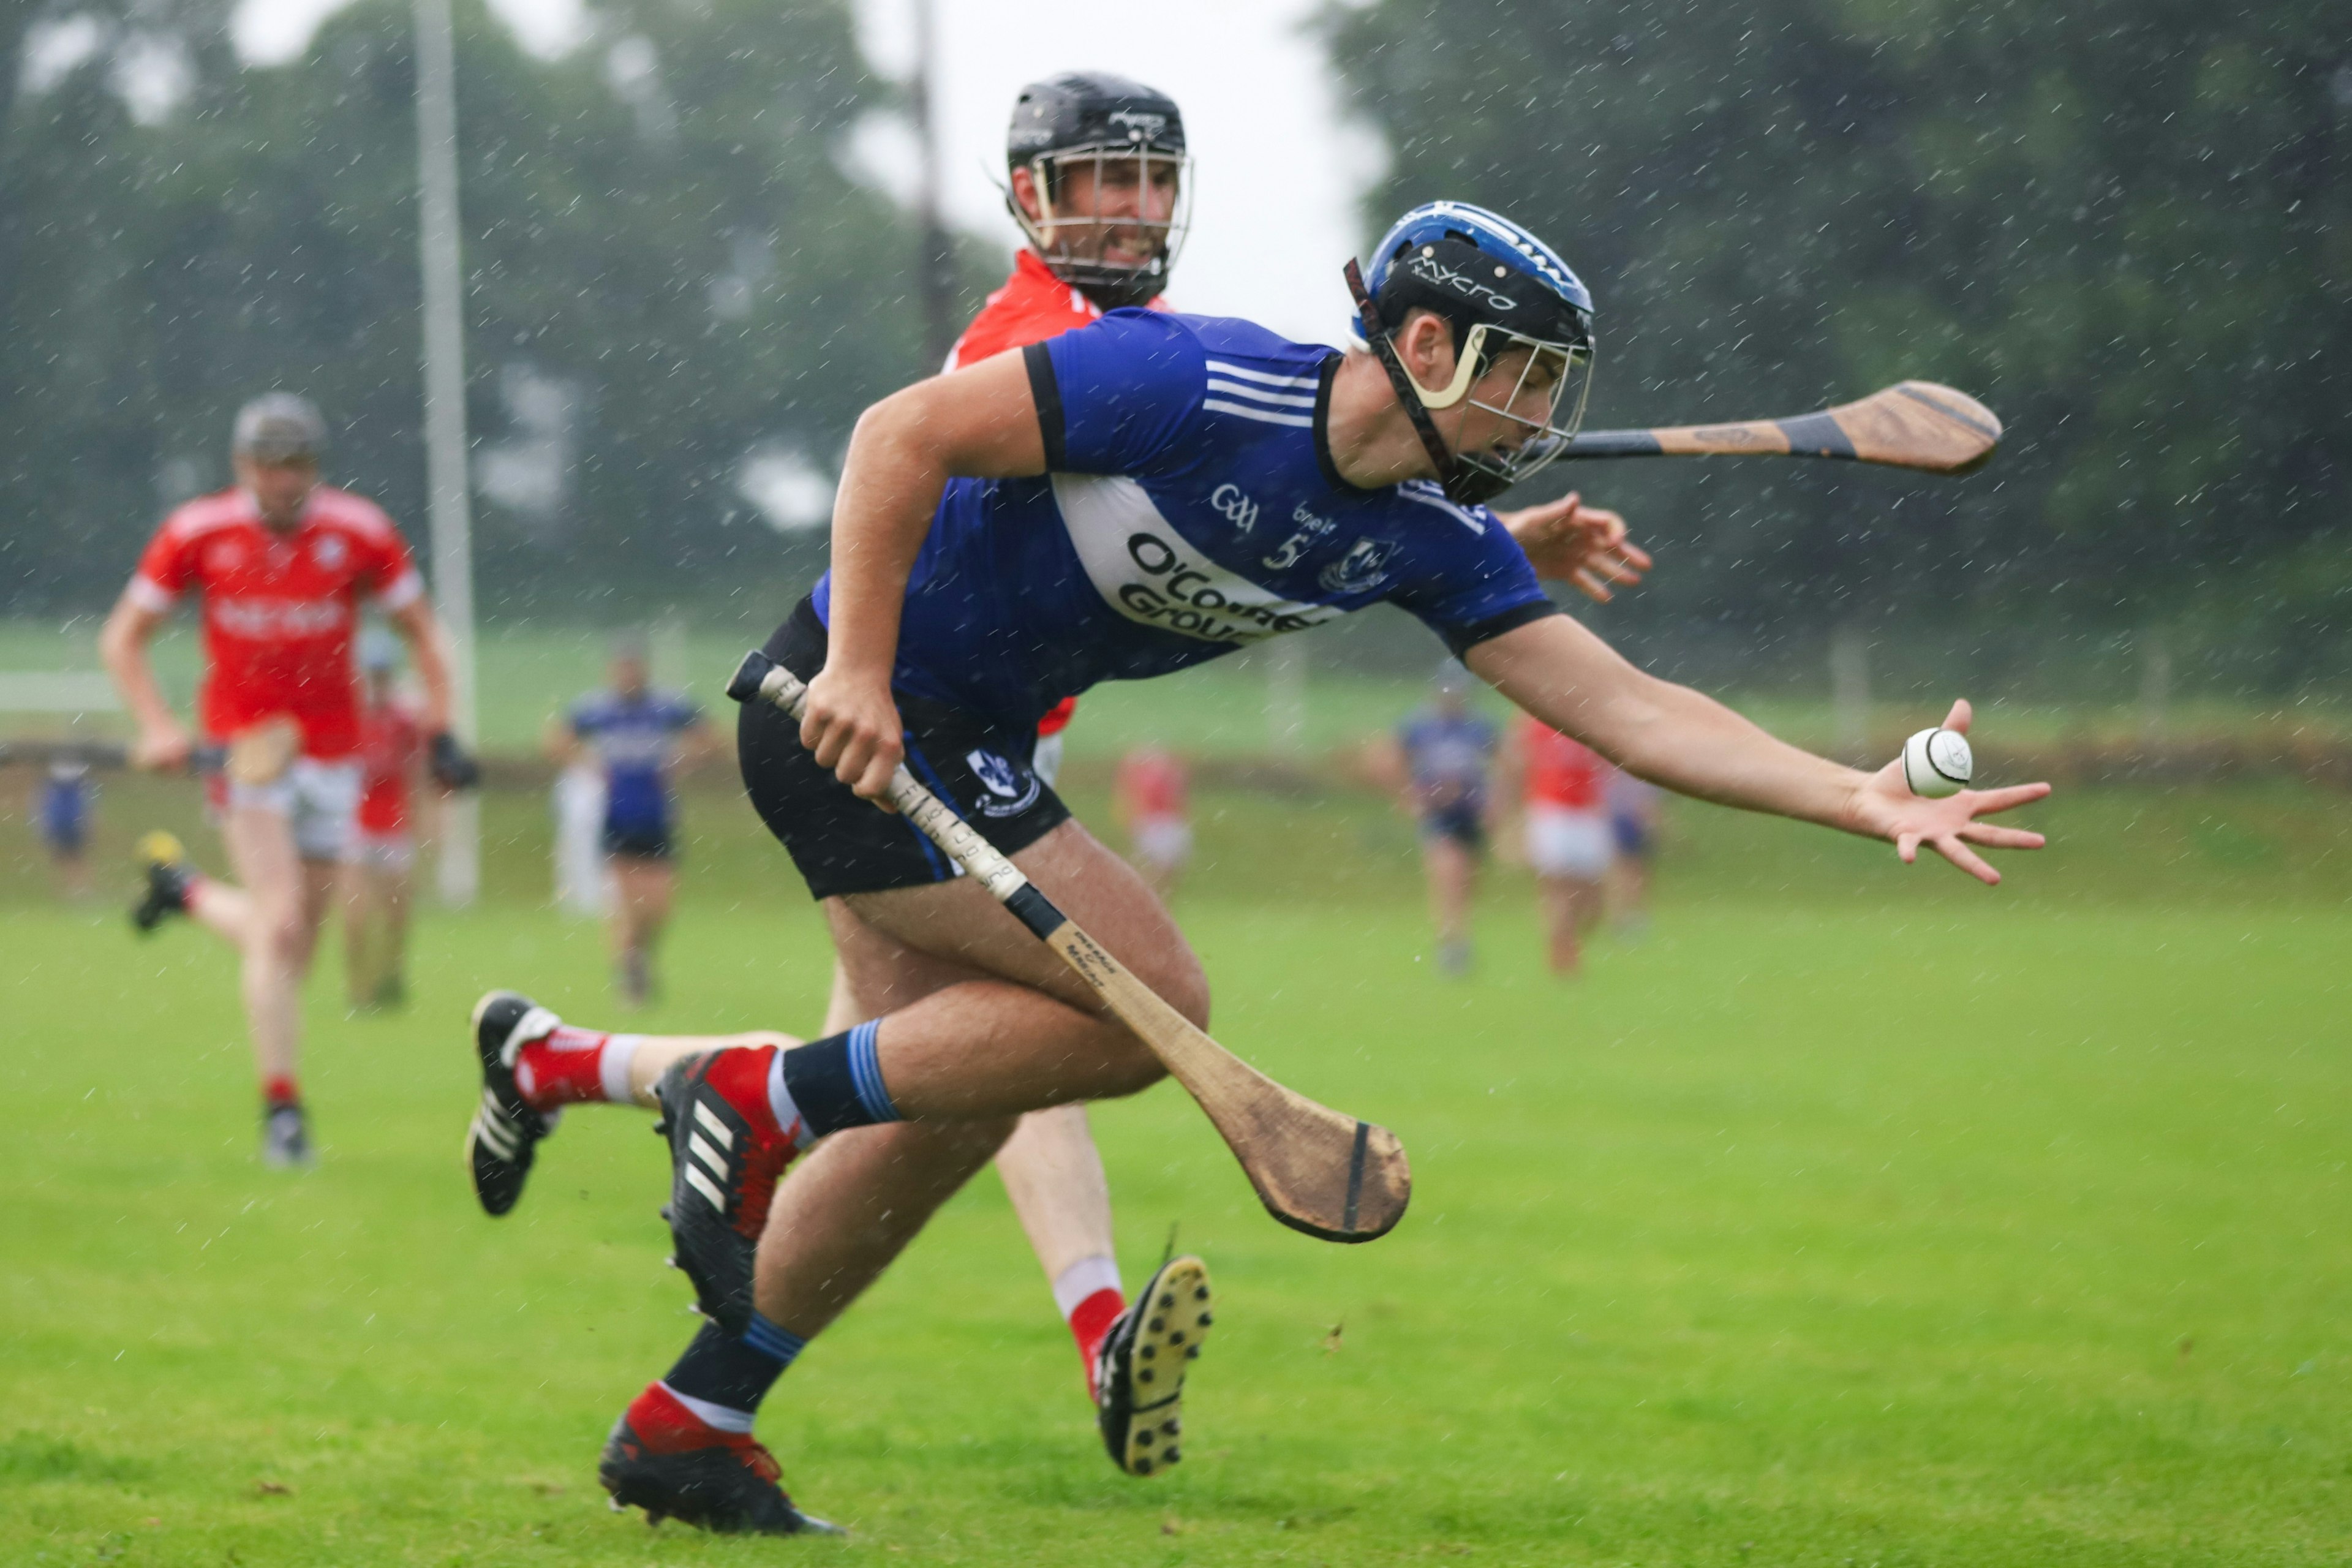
(262, 856)
(958, 921)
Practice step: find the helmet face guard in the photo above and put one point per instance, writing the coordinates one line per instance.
(1076, 237)
(1556, 376)
(1546, 402)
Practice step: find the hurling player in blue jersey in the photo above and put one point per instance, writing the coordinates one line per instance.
(1124, 500)
(638, 736)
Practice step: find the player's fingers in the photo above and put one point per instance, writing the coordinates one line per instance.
(1591, 586)
(1906, 846)
(1960, 716)
(1997, 837)
(1965, 859)
(875, 783)
(1990, 801)
(1635, 554)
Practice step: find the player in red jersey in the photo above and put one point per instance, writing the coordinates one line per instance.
(1564, 806)
(1150, 804)
(283, 564)
(383, 849)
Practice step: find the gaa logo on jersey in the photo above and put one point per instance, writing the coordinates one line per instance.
(1358, 571)
(330, 552)
(1002, 780)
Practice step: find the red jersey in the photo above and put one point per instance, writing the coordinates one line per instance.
(1152, 783)
(1031, 306)
(1560, 771)
(390, 743)
(280, 606)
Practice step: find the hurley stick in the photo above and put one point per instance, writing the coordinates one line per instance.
(1911, 425)
(1330, 1175)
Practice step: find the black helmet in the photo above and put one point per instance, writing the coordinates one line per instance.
(1097, 119)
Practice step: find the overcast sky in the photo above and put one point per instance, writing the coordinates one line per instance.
(1277, 172)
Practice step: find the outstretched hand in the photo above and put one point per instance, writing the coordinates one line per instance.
(1885, 809)
(1576, 543)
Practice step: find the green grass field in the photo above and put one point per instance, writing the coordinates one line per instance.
(1858, 1217)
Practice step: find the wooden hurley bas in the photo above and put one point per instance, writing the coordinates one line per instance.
(1316, 1171)
(1911, 425)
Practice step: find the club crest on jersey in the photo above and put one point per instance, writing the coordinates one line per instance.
(330, 552)
(1362, 569)
(1002, 780)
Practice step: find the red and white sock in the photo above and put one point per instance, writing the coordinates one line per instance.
(575, 1066)
(279, 1088)
(1088, 1294)
(666, 1422)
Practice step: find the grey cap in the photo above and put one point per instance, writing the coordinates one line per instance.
(279, 427)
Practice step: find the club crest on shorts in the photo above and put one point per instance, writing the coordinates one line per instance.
(1005, 781)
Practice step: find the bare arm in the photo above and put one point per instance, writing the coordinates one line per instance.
(163, 741)
(428, 648)
(979, 423)
(1690, 743)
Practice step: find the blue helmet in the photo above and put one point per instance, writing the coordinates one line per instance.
(1429, 249)
(1500, 289)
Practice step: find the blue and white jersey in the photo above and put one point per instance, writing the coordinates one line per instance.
(1190, 508)
(1447, 755)
(632, 737)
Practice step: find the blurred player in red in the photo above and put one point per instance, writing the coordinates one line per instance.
(1151, 806)
(1563, 786)
(282, 564)
(384, 850)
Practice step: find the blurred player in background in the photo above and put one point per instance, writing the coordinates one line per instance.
(283, 564)
(384, 851)
(638, 737)
(1564, 817)
(61, 811)
(1151, 806)
(1447, 751)
(1633, 809)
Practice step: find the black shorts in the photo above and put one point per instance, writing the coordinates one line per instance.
(638, 843)
(844, 845)
(1464, 823)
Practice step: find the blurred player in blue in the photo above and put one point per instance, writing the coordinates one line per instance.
(62, 809)
(1446, 753)
(638, 737)
(1118, 502)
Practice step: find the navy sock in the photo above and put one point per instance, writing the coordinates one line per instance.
(836, 1082)
(732, 1374)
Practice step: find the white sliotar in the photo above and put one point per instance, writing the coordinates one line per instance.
(1937, 762)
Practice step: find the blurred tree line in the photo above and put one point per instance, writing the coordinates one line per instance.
(668, 273)
(2126, 225)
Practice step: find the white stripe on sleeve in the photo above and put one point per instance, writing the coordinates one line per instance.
(1265, 416)
(149, 595)
(1262, 378)
(404, 591)
(1260, 393)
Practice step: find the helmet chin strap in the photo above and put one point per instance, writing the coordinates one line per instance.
(1463, 483)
